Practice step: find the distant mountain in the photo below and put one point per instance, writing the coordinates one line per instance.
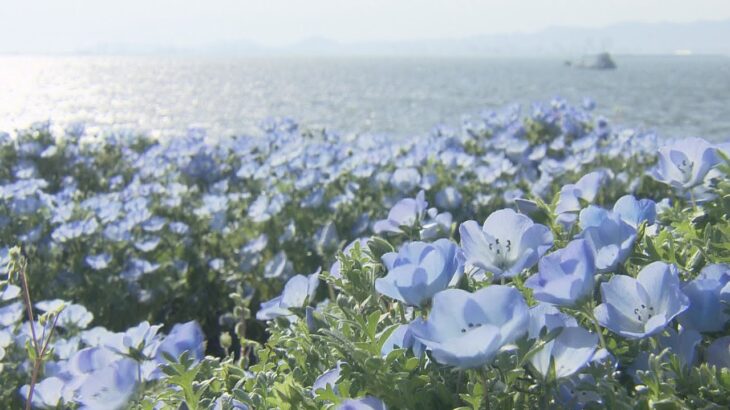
(702, 37)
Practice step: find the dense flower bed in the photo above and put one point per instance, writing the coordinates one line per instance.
(564, 263)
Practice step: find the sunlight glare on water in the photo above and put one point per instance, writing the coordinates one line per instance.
(164, 96)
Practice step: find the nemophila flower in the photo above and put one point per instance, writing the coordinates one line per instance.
(184, 337)
(46, 394)
(506, 244)
(718, 353)
(641, 307)
(227, 402)
(9, 292)
(467, 329)
(419, 270)
(147, 244)
(337, 266)
(328, 378)
(298, 291)
(405, 213)
(363, 403)
(98, 262)
(573, 197)
(70, 316)
(548, 317)
(565, 276)
(118, 232)
(326, 237)
(179, 228)
(578, 392)
(682, 343)
(75, 229)
(405, 179)
(11, 314)
(277, 266)
(138, 267)
(634, 211)
(110, 387)
(448, 198)
(707, 309)
(401, 338)
(569, 352)
(611, 240)
(63, 349)
(217, 264)
(141, 339)
(685, 163)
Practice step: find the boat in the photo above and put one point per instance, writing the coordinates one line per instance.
(601, 61)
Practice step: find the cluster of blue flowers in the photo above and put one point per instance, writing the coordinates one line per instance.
(211, 233)
(466, 329)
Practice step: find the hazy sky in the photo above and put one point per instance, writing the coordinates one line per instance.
(68, 25)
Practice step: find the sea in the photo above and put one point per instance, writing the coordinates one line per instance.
(674, 96)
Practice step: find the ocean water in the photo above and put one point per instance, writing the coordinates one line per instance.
(674, 96)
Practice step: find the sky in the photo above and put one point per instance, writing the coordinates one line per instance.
(34, 26)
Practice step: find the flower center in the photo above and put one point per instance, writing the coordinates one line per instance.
(470, 326)
(500, 251)
(643, 313)
(686, 168)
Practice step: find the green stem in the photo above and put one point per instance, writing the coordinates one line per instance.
(29, 309)
(588, 311)
(485, 388)
(402, 313)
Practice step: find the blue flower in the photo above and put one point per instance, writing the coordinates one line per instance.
(718, 353)
(706, 312)
(578, 392)
(297, 292)
(405, 179)
(569, 352)
(448, 198)
(401, 338)
(634, 211)
(184, 337)
(98, 262)
(685, 163)
(363, 403)
(641, 307)
(548, 317)
(110, 387)
(328, 378)
(48, 393)
(565, 276)
(405, 213)
(611, 240)
(336, 266)
(468, 329)
(419, 270)
(506, 244)
(573, 197)
(277, 266)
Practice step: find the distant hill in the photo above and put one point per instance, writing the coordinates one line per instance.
(702, 37)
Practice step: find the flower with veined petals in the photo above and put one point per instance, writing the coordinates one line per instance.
(641, 307)
(419, 270)
(685, 163)
(363, 403)
(565, 276)
(297, 291)
(610, 238)
(569, 352)
(467, 329)
(506, 244)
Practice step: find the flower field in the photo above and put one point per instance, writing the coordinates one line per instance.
(538, 258)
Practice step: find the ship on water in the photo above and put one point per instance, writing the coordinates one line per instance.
(600, 61)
